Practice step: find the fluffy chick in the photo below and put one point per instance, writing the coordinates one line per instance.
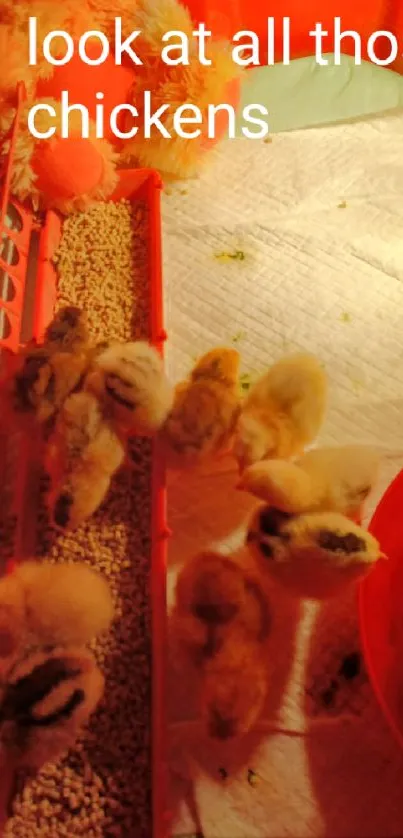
(82, 455)
(202, 421)
(63, 604)
(49, 698)
(221, 622)
(130, 380)
(282, 412)
(214, 593)
(68, 331)
(337, 479)
(315, 555)
(234, 688)
(43, 381)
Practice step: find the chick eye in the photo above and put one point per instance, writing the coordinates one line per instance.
(266, 550)
(271, 520)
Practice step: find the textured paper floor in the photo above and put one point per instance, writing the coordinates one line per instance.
(318, 216)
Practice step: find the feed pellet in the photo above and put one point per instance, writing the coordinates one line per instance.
(103, 787)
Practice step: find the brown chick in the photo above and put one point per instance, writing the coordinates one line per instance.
(130, 381)
(282, 412)
(64, 604)
(48, 700)
(43, 381)
(202, 421)
(234, 688)
(315, 556)
(337, 479)
(213, 593)
(83, 454)
(209, 594)
(68, 331)
(221, 622)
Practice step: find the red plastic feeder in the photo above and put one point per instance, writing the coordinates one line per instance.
(28, 293)
(381, 613)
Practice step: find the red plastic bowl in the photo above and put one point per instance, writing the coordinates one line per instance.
(381, 611)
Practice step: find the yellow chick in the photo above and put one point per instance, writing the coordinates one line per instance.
(83, 454)
(47, 701)
(283, 411)
(221, 622)
(337, 479)
(63, 604)
(315, 555)
(130, 381)
(68, 331)
(202, 421)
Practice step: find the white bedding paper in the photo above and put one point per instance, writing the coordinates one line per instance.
(318, 217)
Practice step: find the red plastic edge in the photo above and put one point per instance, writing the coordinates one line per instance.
(374, 600)
(13, 311)
(160, 535)
(133, 184)
(147, 185)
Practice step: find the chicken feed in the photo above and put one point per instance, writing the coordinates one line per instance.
(103, 787)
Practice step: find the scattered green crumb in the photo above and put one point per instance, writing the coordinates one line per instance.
(238, 337)
(345, 317)
(268, 140)
(342, 205)
(358, 385)
(237, 255)
(245, 381)
(223, 773)
(253, 778)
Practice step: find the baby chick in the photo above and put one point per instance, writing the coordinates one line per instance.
(337, 479)
(63, 604)
(130, 380)
(40, 377)
(68, 331)
(202, 421)
(315, 555)
(83, 454)
(213, 593)
(221, 622)
(48, 699)
(43, 381)
(234, 688)
(282, 412)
